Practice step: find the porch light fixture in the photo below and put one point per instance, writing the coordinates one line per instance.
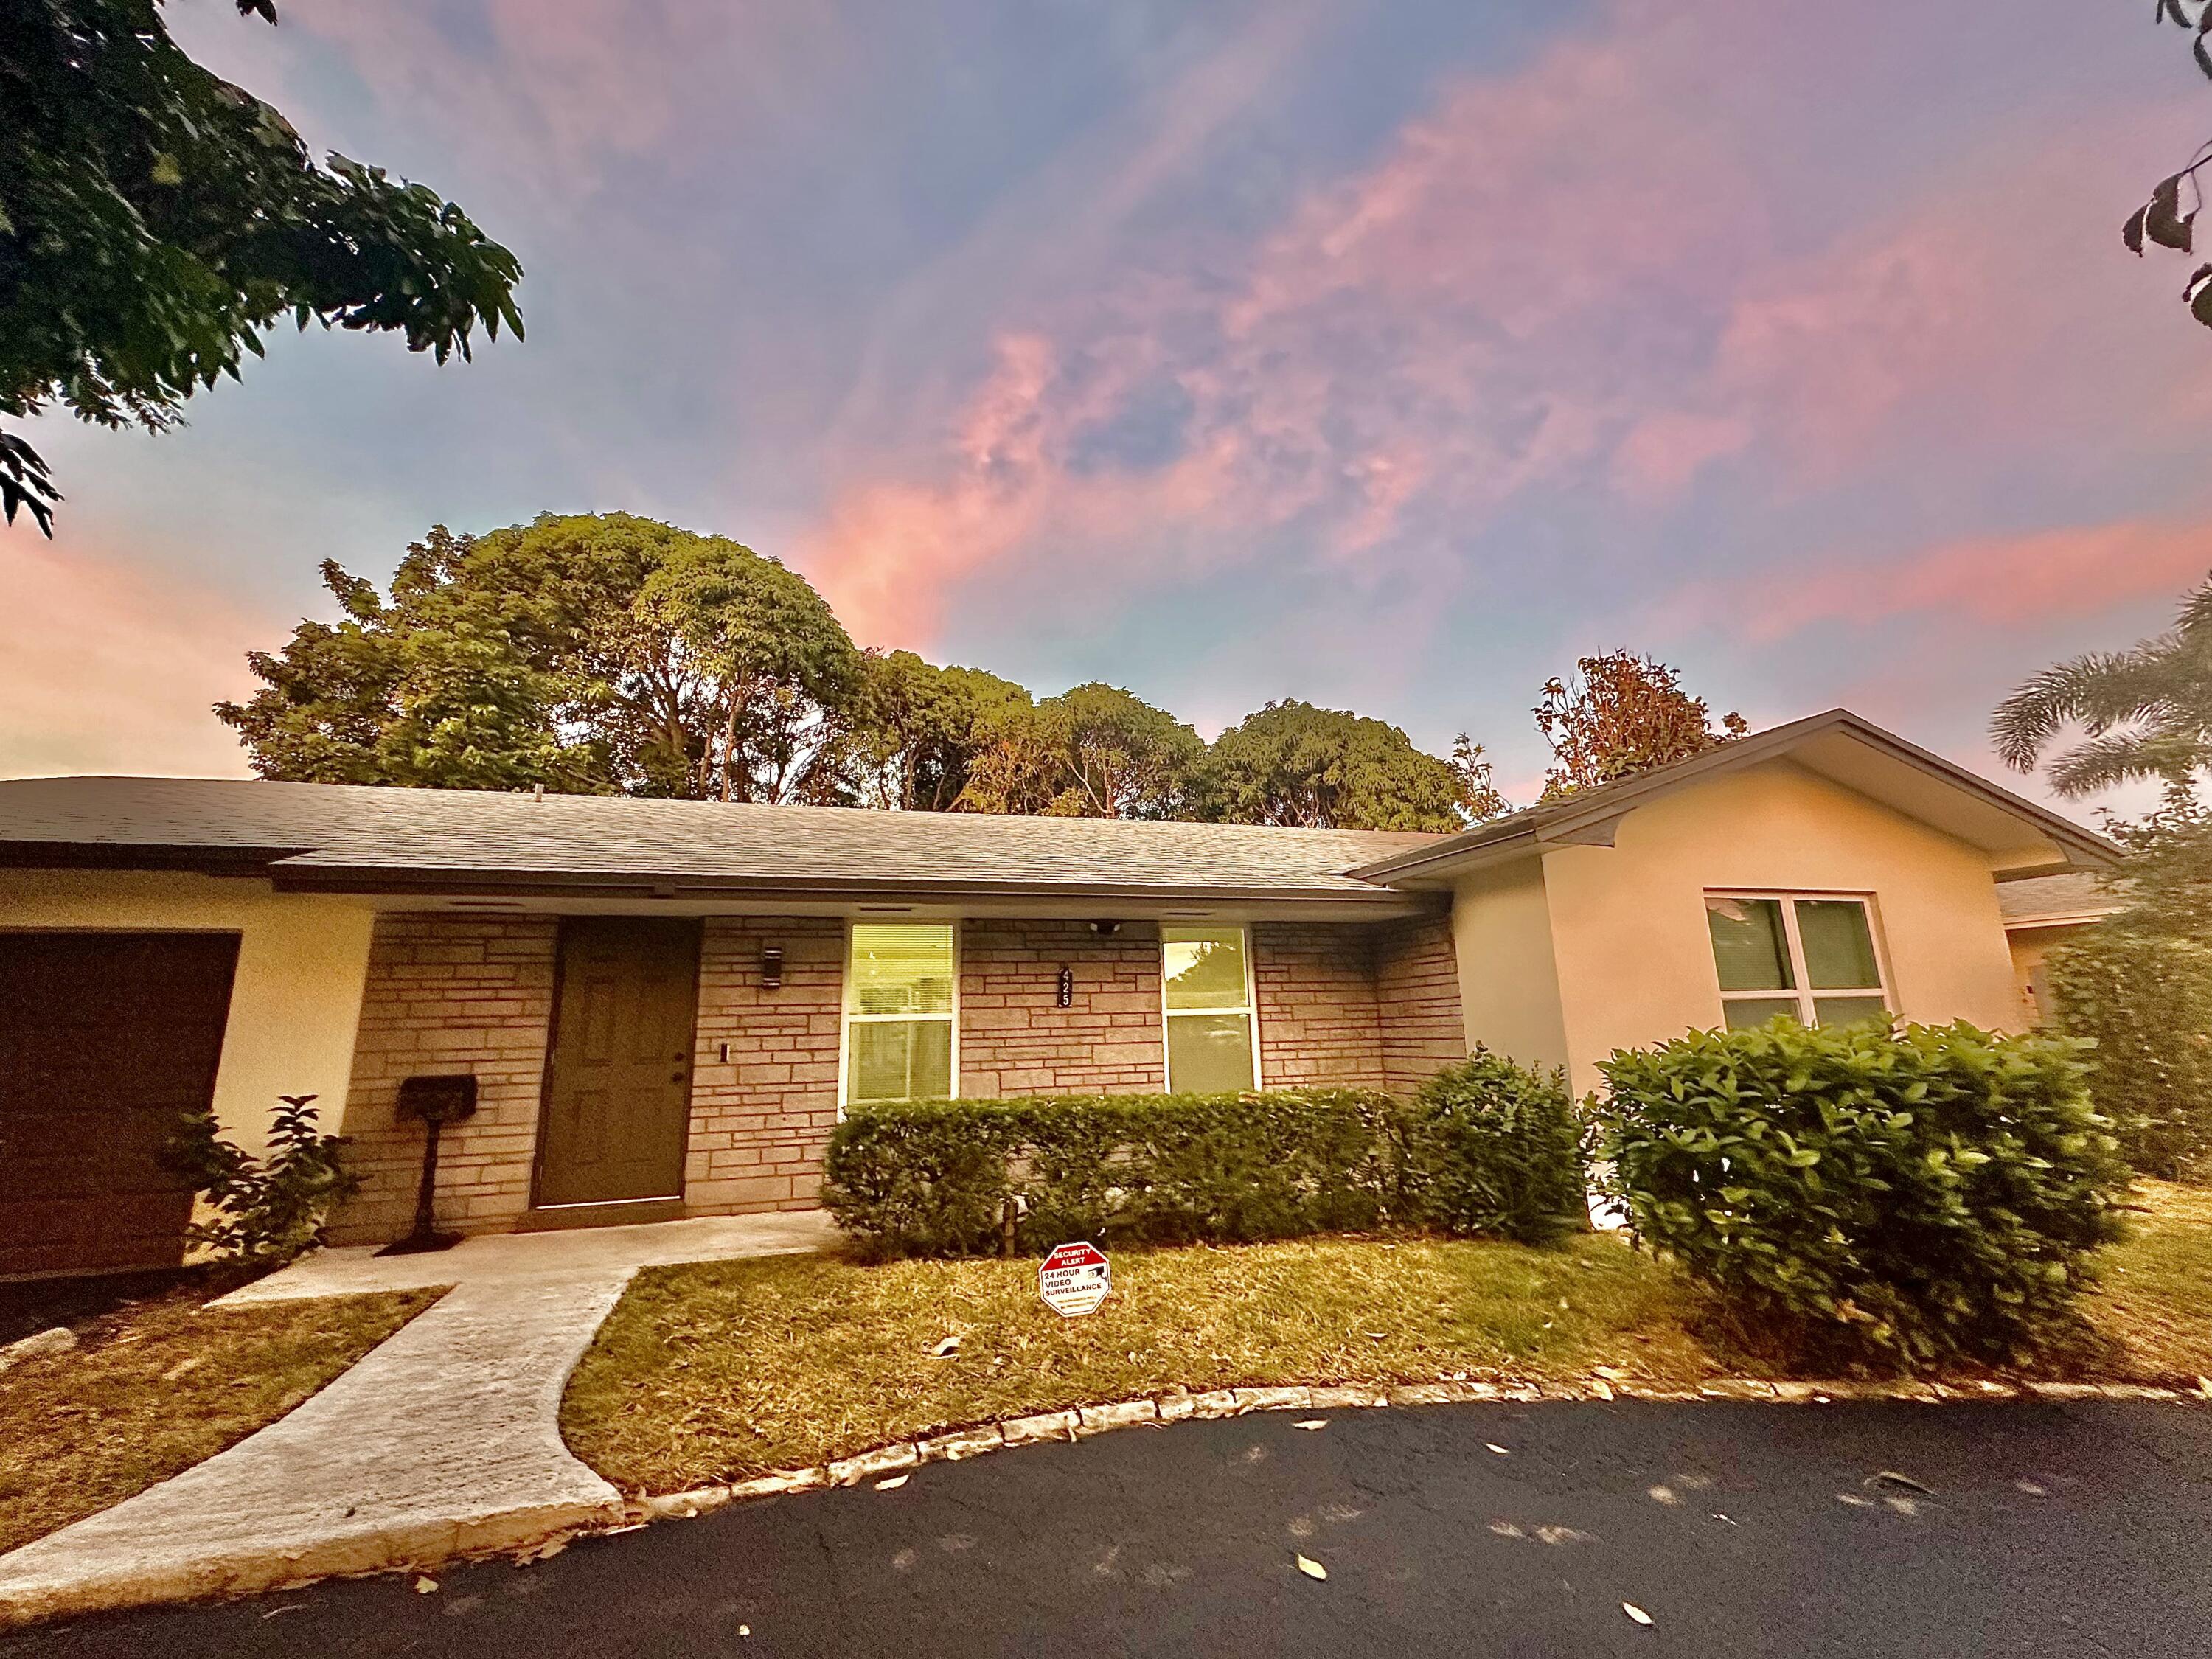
(1066, 986)
(1105, 929)
(772, 967)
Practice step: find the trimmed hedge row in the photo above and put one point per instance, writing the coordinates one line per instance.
(1485, 1147)
(1918, 1195)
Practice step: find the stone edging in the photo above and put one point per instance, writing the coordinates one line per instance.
(1081, 1422)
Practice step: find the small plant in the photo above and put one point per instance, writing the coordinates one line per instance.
(1493, 1147)
(267, 1210)
(1910, 1197)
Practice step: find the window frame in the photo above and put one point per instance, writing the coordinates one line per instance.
(1802, 992)
(847, 1018)
(1250, 1009)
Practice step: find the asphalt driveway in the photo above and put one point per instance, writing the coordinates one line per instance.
(1739, 1529)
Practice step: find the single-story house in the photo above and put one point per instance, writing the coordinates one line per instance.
(2043, 912)
(666, 1005)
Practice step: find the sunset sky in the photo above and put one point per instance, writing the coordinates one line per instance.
(1385, 355)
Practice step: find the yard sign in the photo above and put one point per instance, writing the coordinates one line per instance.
(1074, 1280)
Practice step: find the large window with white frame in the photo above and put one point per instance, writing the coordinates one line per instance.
(901, 988)
(1810, 957)
(1206, 987)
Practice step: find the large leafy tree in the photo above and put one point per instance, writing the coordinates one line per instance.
(2145, 712)
(1295, 764)
(2168, 218)
(1620, 714)
(155, 220)
(1094, 751)
(594, 652)
(921, 726)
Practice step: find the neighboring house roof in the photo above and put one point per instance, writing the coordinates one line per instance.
(352, 838)
(2055, 901)
(1838, 745)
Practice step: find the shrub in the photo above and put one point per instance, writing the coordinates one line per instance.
(1492, 1147)
(935, 1177)
(266, 1211)
(1911, 1196)
(2145, 999)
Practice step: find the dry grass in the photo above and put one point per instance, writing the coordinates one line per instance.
(157, 1387)
(720, 1371)
(716, 1371)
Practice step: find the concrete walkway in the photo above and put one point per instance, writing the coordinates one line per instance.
(446, 1439)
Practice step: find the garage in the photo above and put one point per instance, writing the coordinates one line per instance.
(105, 1039)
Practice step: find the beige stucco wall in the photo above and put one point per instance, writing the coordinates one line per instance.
(1509, 978)
(2029, 946)
(301, 965)
(1634, 960)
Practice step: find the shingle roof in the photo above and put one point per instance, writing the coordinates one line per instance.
(2049, 898)
(332, 835)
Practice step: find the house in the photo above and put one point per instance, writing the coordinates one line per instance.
(666, 1005)
(2041, 913)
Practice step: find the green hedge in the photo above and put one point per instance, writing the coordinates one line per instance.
(935, 1177)
(1492, 1147)
(1914, 1195)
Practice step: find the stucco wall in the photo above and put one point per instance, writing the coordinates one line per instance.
(1629, 934)
(2029, 946)
(1509, 978)
(301, 963)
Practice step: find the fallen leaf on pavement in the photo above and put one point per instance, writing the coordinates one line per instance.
(1311, 1423)
(1499, 1450)
(425, 1586)
(1636, 1613)
(1312, 1569)
(891, 1484)
(1604, 1389)
(1904, 1480)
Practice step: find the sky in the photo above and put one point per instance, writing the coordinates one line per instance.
(1387, 354)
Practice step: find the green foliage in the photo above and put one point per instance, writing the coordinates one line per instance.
(1618, 715)
(154, 220)
(2168, 218)
(1910, 1197)
(1491, 1147)
(1292, 764)
(921, 727)
(935, 1177)
(267, 1210)
(2139, 986)
(1094, 751)
(2147, 711)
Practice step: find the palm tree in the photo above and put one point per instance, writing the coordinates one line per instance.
(2147, 711)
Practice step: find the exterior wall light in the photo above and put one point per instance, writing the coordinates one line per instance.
(772, 967)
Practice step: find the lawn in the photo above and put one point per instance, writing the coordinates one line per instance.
(717, 1371)
(157, 1385)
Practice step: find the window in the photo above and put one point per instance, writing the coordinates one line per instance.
(1811, 959)
(1205, 975)
(899, 1042)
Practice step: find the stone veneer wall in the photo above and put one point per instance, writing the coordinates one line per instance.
(1318, 1020)
(449, 993)
(1015, 1039)
(1423, 1027)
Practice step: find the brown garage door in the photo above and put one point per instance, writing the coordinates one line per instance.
(106, 1039)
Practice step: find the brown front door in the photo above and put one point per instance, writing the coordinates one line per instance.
(106, 1041)
(618, 1081)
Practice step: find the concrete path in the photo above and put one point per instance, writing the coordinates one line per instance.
(444, 1440)
(1742, 1531)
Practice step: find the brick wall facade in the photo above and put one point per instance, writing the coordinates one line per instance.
(1373, 1007)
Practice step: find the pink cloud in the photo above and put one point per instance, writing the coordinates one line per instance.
(105, 666)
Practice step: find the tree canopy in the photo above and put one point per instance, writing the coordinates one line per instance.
(155, 220)
(1094, 751)
(2168, 218)
(2146, 712)
(1293, 763)
(1620, 714)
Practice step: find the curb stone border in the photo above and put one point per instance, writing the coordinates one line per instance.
(528, 1537)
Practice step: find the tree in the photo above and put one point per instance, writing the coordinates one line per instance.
(2168, 218)
(2139, 986)
(155, 220)
(594, 652)
(1293, 763)
(1621, 713)
(921, 726)
(2147, 711)
(1095, 751)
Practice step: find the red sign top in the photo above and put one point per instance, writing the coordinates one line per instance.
(1074, 1255)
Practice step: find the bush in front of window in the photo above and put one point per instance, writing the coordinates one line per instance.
(942, 1177)
(1491, 1147)
(1854, 1194)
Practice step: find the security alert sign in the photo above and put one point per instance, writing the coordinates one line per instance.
(1074, 1280)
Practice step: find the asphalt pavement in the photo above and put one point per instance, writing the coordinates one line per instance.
(2001, 1529)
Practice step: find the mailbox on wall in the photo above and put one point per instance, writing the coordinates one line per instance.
(433, 1102)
